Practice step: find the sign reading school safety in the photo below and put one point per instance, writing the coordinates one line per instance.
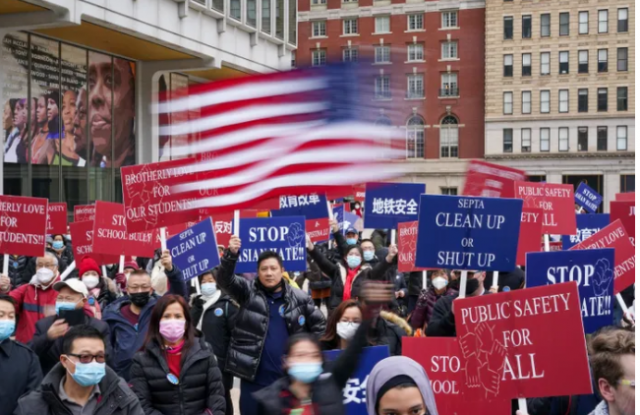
(57, 218)
(588, 225)
(491, 180)
(388, 204)
(592, 270)
(285, 235)
(472, 233)
(354, 393)
(82, 213)
(557, 202)
(509, 343)
(530, 233)
(587, 198)
(82, 237)
(626, 212)
(23, 223)
(195, 250)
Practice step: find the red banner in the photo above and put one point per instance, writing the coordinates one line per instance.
(23, 224)
(530, 234)
(143, 244)
(82, 237)
(626, 197)
(109, 229)
(556, 201)
(626, 212)
(407, 238)
(491, 180)
(82, 213)
(222, 224)
(615, 236)
(443, 366)
(57, 219)
(509, 343)
(359, 193)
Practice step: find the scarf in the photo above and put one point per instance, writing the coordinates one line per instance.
(351, 275)
(209, 301)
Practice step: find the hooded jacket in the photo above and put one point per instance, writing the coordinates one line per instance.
(391, 367)
(31, 300)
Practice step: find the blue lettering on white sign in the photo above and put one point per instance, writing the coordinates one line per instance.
(587, 225)
(587, 198)
(194, 251)
(387, 204)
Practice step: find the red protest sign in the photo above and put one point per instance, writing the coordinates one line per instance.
(407, 238)
(614, 236)
(142, 244)
(509, 343)
(109, 229)
(57, 218)
(359, 193)
(556, 201)
(491, 180)
(553, 246)
(84, 212)
(23, 224)
(530, 234)
(626, 212)
(173, 230)
(82, 237)
(222, 224)
(318, 229)
(626, 197)
(443, 366)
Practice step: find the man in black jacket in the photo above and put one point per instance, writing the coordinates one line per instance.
(270, 311)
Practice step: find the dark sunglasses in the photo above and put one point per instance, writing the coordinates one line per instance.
(87, 358)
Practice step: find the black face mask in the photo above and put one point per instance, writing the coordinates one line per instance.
(472, 286)
(140, 299)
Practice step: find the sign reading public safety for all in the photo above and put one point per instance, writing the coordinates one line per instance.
(284, 235)
(194, 251)
(592, 269)
(587, 198)
(588, 225)
(388, 204)
(472, 233)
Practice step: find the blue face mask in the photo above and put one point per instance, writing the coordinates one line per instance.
(208, 289)
(7, 327)
(354, 261)
(305, 372)
(64, 306)
(57, 245)
(352, 241)
(368, 255)
(88, 374)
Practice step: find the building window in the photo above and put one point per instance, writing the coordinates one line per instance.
(583, 61)
(450, 50)
(563, 139)
(507, 140)
(318, 28)
(564, 24)
(314, 2)
(583, 138)
(627, 183)
(415, 52)
(622, 98)
(603, 60)
(507, 103)
(526, 102)
(449, 85)
(293, 59)
(623, 54)
(545, 98)
(350, 26)
(382, 88)
(318, 57)
(251, 13)
(603, 98)
(545, 63)
(603, 138)
(382, 54)
(415, 137)
(526, 64)
(525, 134)
(449, 137)
(583, 100)
(545, 140)
(450, 19)
(563, 98)
(266, 18)
(383, 24)
(623, 20)
(451, 191)
(279, 11)
(508, 27)
(350, 55)
(621, 138)
(218, 5)
(526, 27)
(583, 18)
(545, 25)
(416, 21)
(603, 21)
(508, 66)
(564, 62)
(234, 9)
(415, 86)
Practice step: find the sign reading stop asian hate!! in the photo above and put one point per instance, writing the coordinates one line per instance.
(588, 225)
(491, 180)
(530, 233)
(82, 237)
(388, 204)
(23, 224)
(587, 198)
(471, 233)
(195, 250)
(509, 343)
(626, 212)
(556, 201)
(284, 235)
(82, 213)
(57, 218)
(593, 270)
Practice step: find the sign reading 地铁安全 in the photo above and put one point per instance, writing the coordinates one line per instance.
(195, 250)
(388, 204)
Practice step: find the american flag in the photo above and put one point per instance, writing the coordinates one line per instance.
(293, 132)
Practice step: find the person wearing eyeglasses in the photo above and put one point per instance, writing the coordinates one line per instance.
(81, 383)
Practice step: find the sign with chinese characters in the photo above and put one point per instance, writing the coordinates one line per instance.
(588, 225)
(592, 270)
(354, 394)
(472, 233)
(556, 201)
(388, 204)
(530, 233)
(195, 251)
(626, 212)
(313, 207)
(222, 224)
(491, 180)
(587, 198)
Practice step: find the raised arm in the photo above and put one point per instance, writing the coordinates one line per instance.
(379, 272)
(236, 287)
(326, 266)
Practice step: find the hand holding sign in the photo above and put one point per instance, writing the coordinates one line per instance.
(393, 251)
(334, 225)
(310, 245)
(5, 283)
(166, 261)
(234, 244)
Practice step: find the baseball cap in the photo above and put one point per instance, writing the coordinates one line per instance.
(75, 285)
(351, 229)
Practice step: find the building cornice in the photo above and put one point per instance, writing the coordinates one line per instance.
(560, 156)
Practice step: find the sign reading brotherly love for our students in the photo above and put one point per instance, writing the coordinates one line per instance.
(556, 201)
(195, 250)
(588, 225)
(472, 233)
(587, 198)
(285, 235)
(388, 204)
(593, 270)
(23, 223)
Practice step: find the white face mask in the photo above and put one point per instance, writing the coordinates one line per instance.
(91, 281)
(44, 275)
(439, 283)
(347, 329)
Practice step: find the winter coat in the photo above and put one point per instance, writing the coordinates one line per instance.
(199, 390)
(415, 282)
(115, 397)
(426, 303)
(317, 281)
(442, 322)
(49, 351)
(31, 300)
(389, 330)
(17, 269)
(21, 374)
(245, 350)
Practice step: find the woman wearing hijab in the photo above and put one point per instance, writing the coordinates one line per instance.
(399, 386)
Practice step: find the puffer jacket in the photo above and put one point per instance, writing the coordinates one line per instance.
(389, 330)
(247, 340)
(199, 390)
(31, 300)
